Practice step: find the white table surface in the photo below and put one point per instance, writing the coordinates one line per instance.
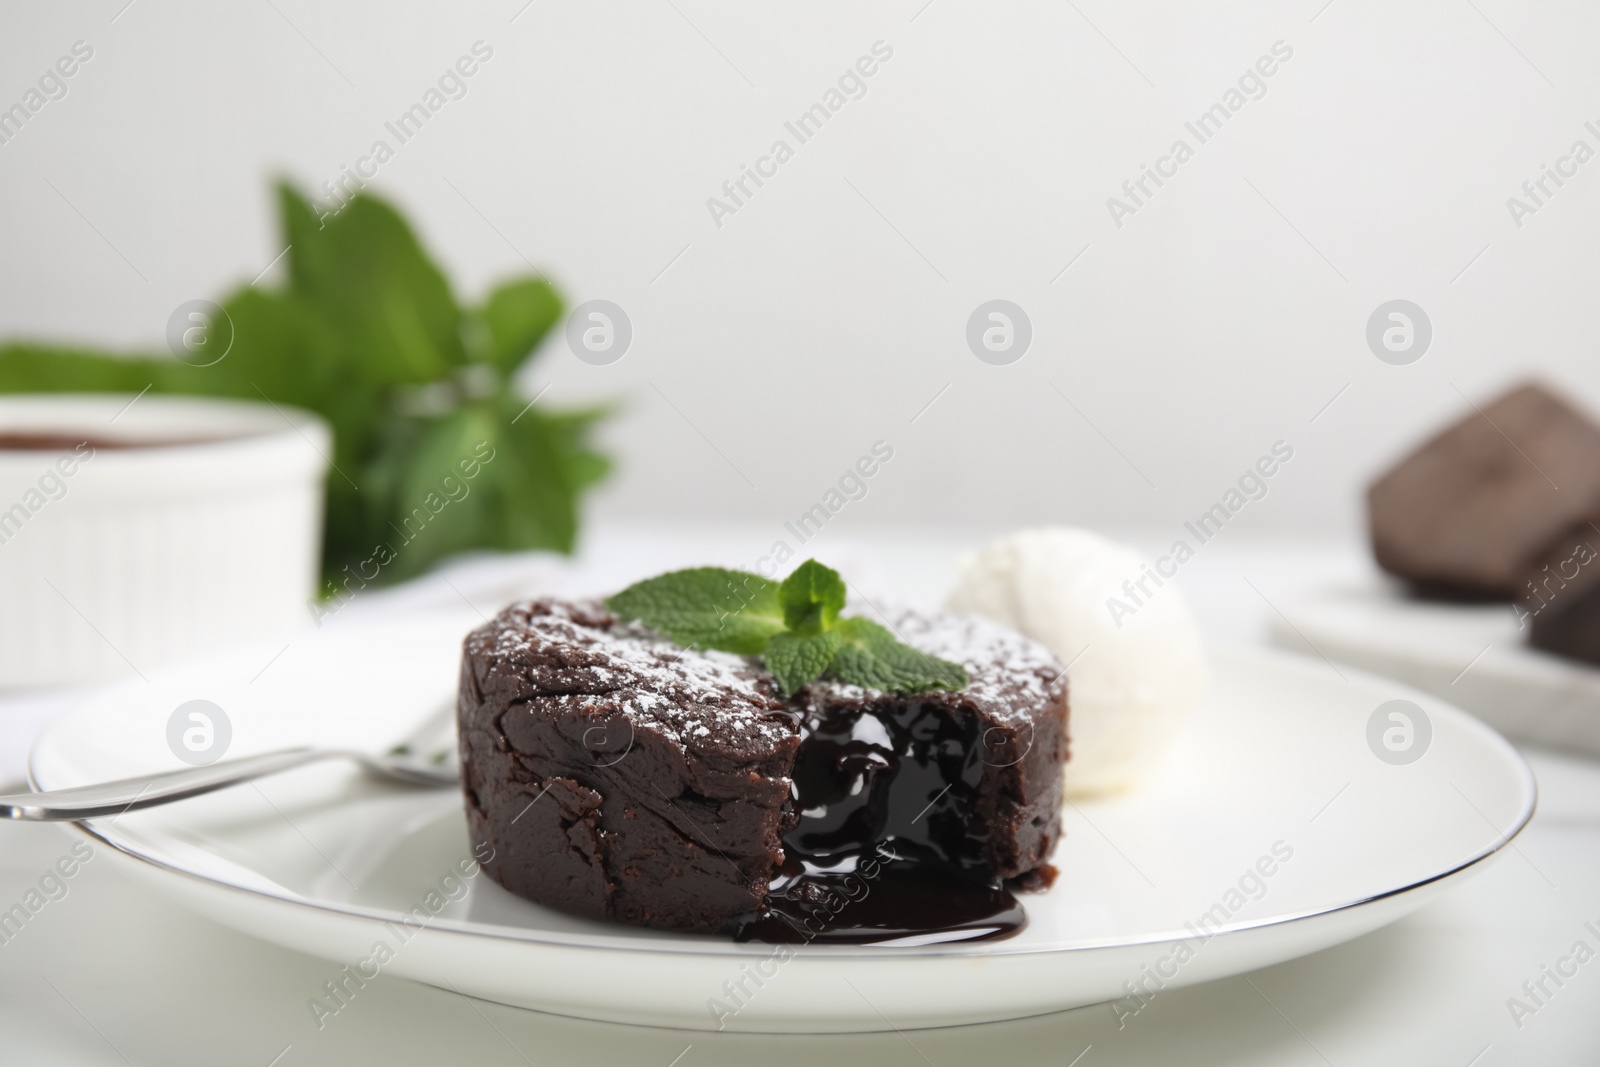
(114, 974)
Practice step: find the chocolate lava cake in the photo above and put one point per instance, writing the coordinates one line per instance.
(1559, 601)
(1466, 514)
(619, 776)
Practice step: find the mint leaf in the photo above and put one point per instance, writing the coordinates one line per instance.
(437, 509)
(706, 607)
(363, 270)
(795, 659)
(569, 431)
(539, 505)
(517, 314)
(869, 656)
(811, 597)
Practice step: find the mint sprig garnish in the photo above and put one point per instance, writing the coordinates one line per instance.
(795, 660)
(366, 330)
(706, 607)
(795, 626)
(870, 656)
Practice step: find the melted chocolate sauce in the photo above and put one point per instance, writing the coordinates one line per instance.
(886, 848)
(50, 441)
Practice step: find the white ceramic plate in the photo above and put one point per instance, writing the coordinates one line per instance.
(1272, 831)
(1473, 655)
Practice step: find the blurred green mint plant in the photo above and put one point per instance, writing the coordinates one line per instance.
(367, 333)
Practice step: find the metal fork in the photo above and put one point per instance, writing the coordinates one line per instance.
(425, 757)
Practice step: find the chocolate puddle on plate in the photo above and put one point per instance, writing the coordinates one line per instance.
(904, 903)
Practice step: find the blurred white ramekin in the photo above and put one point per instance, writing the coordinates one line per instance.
(136, 556)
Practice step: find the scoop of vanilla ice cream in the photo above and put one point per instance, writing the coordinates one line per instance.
(1133, 671)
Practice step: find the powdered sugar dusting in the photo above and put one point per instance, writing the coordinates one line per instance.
(578, 651)
(688, 694)
(1012, 676)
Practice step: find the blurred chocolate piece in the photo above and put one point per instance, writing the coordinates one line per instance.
(1559, 601)
(1466, 515)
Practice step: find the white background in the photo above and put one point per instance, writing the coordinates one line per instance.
(770, 352)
